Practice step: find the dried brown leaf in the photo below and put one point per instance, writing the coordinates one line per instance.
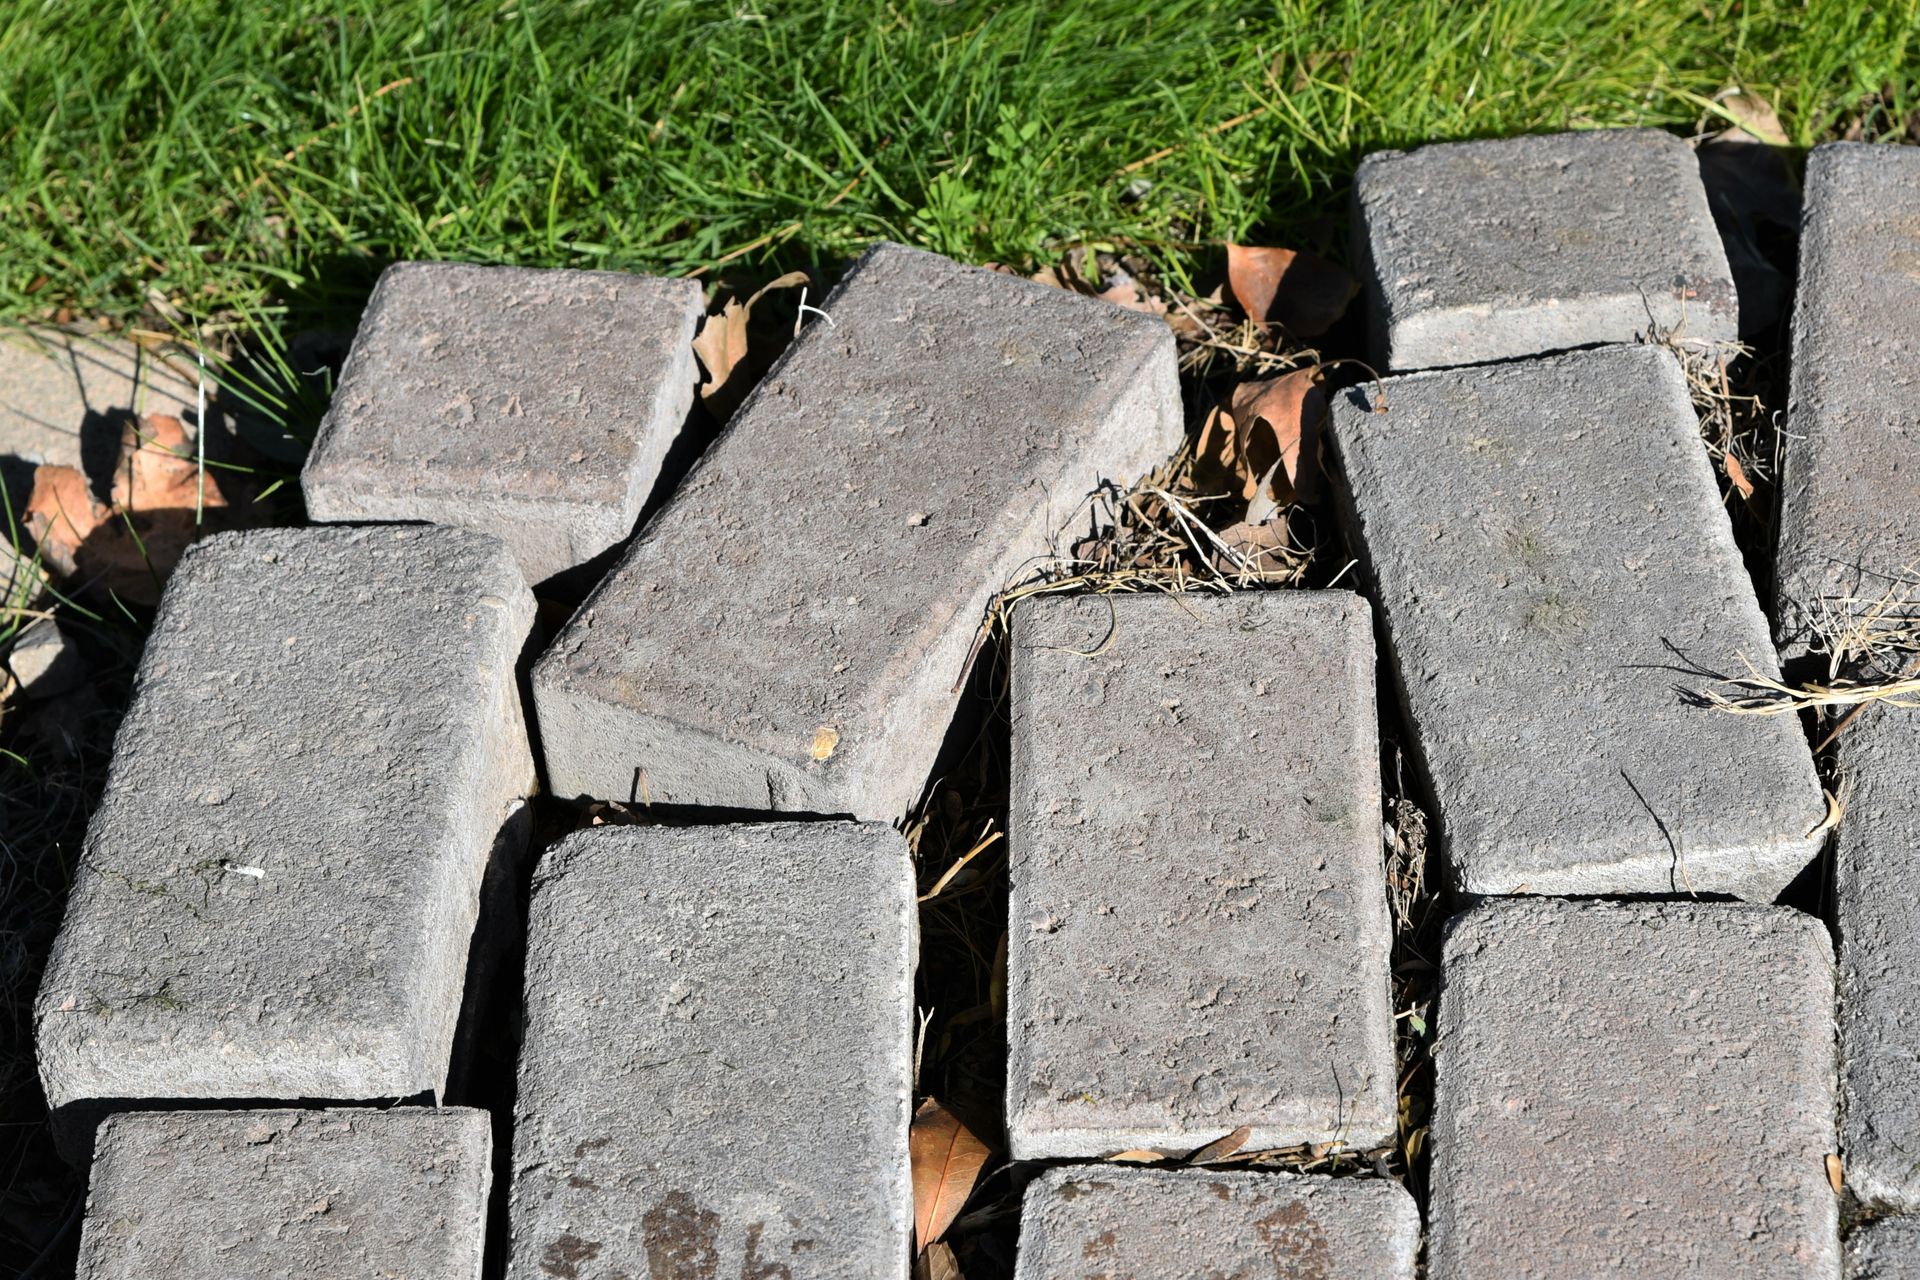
(947, 1160)
(1753, 117)
(721, 343)
(62, 514)
(1276, 435)
(1836, 1173)
(1738, 475)
(937, 1263)
(1263, 548)
(1221, 1148)
(1296, 290)
(1137, 1156)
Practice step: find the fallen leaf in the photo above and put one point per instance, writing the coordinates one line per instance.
(1753, 117)
(1301, 293)
(1836, 1174)
(1738, 475)
(1221, 1148)
(947, 1160)
(1264, 549)
(1137, 1156)
(721, 343)
(1268, 438)
(937, 1263)
(62, 514)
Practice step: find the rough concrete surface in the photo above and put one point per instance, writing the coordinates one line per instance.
(787, 633)
(716, 1073)
(1876, 863)
(1198, 935)
(1633, 1089)
(1112, 1223)
(289, 1195)
(1885, 1249)
(276, 894)
(45, 660)
(1850, 486)
(535, 405)
(1553, 568)
(66, 394)
(1488, 250)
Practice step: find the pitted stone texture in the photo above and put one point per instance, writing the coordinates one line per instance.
(1876, 863)
(716, 1074)
(399, 1193)
(277, 892)
(1199, 934)
(788, 632)
(1113, 1223)
(1850, 488)
(1553, 567)
(1478, 251)
(534, 405)
(1885, 1249)
(1633, 1089)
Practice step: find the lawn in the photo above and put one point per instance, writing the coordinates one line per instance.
(243, 172)
(218, 160)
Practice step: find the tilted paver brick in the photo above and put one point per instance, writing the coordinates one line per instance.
(716, 1073)
(1849, 489)
(1884, 1249)
(1553, 566)
(788, 632)
(535, 405)
(278, 890)
(1113, 1223)
(1487, 250)
(1199, 934)
(344, 1192)
(1635, 1089)
(1876, 863)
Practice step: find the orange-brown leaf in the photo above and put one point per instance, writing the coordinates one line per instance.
(947, 1160)
(1139, 1155)
(721, 343)
(937, 1263)
(1738, 475)
(1221, 1148)
(62, 514)
(1276, 427)
(1301, 293)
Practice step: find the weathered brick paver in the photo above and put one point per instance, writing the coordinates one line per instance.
(534, 405)
(1487, 250)
(1850, 489)
(1199, 935)
(1884, 1249)
(716, 1073)
(1633, 1089)
(1876, 863)
(399, 1193)
(1553, 565)
(277, 892)
(66, 395)
(1113, 1223)
(787, 633)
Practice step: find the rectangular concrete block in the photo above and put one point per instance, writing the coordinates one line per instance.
(1488, 250)
(1876, 865)
(1633, 1089)
(277, 893)
(1884, 1249)
(1849, 490)
(1554, 570)
(534, 405)
(717, 1070)
(1199, 934)
(399, 1193)
(787, 633)
(1106, 1222)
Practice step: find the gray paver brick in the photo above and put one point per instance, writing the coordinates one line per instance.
(1849, 491)
(1876, 862)
(1113, 1223)
(535, 405)
(399, 1193)
(787, 632)
(1885, 1249)
(1551, 559)
(1199, 935)
(1635, 1089)
(59, 385)
(279, 887)
(717, 1066)
(1487, 250)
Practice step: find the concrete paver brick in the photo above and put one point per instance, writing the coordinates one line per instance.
(1199, 935)
(787, 633)
(1553, 567)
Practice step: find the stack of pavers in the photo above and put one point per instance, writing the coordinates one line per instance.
(287, 910)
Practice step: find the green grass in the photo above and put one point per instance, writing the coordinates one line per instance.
(234, 157)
